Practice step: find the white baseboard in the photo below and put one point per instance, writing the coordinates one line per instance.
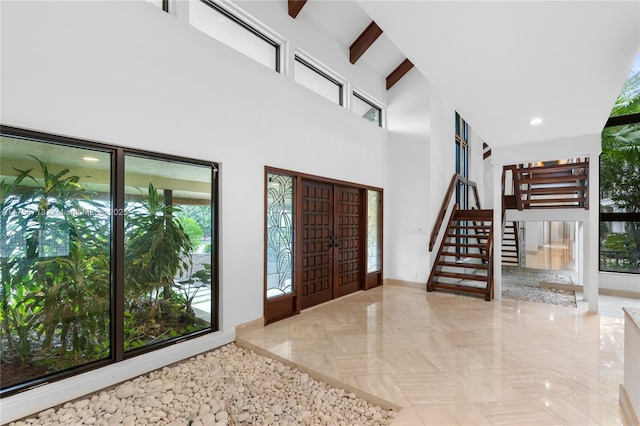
(403, 283)
(628, 411)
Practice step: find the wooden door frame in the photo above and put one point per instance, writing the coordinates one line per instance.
(290, 304)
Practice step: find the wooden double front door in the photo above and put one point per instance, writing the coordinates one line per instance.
(331, 249)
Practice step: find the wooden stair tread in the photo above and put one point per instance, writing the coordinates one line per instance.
(464, 265)
(457, 254)
(554, 200)
(465, 245)
(555, 190)
(556, 206)
(526, 180)
(468, 277)
(486, 214)
(458, 287)
(554, 168)
(474, 227)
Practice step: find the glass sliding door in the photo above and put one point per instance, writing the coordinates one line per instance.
(55, 260)
(168, 266)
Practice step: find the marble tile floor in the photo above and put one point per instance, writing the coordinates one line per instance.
(448, 359)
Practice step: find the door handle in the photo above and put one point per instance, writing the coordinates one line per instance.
(333, 241)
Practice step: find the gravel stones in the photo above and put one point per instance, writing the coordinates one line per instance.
(228, 386)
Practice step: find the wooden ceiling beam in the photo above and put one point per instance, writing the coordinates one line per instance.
(364, 41)
(398, 73)
(295, 6)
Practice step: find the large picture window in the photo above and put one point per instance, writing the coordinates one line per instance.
(167, 254)
(620, 180)
(95, 266)
(620, 199)
(55, 258)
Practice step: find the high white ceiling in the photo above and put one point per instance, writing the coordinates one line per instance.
(501, 63)
(346, 20)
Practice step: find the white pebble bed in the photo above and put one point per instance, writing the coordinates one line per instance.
(228, 386)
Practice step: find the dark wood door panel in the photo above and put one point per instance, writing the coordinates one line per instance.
(347, 253)
(317, 225)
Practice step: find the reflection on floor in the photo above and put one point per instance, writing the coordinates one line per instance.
(551, 257)
(451, 359)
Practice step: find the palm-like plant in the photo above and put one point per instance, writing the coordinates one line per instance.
(628, 101)
(156, 249)
(620, 159)
(57, 298)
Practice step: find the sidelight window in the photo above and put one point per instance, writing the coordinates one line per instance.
(374, 231)
(280, 210)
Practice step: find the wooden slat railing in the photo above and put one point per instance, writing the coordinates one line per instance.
(539, 181)
(489, 252)
(517, 193)
(435, 264)
(455, 179)
(516, 232)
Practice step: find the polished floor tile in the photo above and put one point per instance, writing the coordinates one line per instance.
(446, 359)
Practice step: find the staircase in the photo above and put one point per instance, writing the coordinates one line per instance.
(511, 244)
(464, 260)
(554, 185)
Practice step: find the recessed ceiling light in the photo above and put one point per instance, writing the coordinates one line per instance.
(90, 159)
(535, 121)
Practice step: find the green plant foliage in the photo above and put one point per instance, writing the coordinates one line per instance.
(619, 242)
(157, 249)
(628, 101)
(56, 278)
(620, 158)
(201, 214)
(620, 179)
(192, 229)
(53, 304)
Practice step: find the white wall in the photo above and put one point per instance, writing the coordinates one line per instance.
(307, 35)
(407, 202)
(128, 74)
(616, 281)
(443, 134)
(477, 166)
(487, 182)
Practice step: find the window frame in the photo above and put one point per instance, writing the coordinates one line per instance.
(366, 100)
(315, 68)
(462, 159)
(117, 251)
(604, 217)
(250, 28)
